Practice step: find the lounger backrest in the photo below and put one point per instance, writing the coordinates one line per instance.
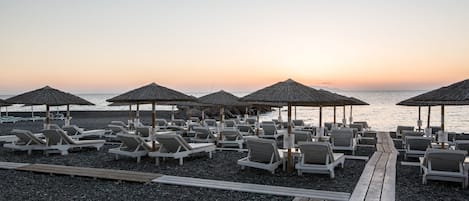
(444, 159)
(251, 121)
(192, 125)
(262, 150)
(172, 143)
(363, 123)
(404, 128)
(230, 123)
(116, 128)
(318, 153)
(179, 122)
(406, 133)
(370, 134)
(269, 129)
(359, 127)
(302, 136)
(202, 132)
(132, 142)
(210, 122)
(26, 136)
(298, 122)
(245, 129)
(435, 129)
(342, 137)
(418, 143)
(231, 135)
(462, 145)
(328, 125)
(462, 136)
(57, 136)
(72, 130)
(161, 122)
(143, 131)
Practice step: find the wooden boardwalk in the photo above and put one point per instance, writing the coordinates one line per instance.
(378, 179)
(254, 188)
(97, 173)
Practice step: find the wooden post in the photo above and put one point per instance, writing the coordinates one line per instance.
(222, 121)
(428, 118)
(295, 112)
(137, 114)
(344, 120)
(47, 117)
(334, 115)
(320, 116)
(419, 122)
(442, 118)
(290, 161)
(67, 122)
(351, 118)
(258, 124)
(153, 125)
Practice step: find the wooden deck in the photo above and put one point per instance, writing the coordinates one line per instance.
(378, 179)
(119, 175)
(254, 188)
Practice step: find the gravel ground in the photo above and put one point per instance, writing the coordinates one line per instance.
(222, 166)
(409, 185)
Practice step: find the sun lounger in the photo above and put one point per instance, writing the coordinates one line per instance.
(245, 130)
(251, 121)
(270, 131)
(317, 157)
(462, 145)
(263, 154)
(179, 122)
(343, 140)
(301, 136)
(132, 146)
(161, 123)
(203, 134)
(76, 133)
(27, 141)
(119, 123)
(115, 129)
(58, 139)
(230, 123)
(445, 165)
(416, 146)
(231, 137)
(368, 138)
(174, 146)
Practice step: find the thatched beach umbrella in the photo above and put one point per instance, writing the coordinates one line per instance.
(454, 94)
(419, 105)
(50, 97)
(4, 104)
(201, 106)
(151, 93)
(222, 99)
(293, 94)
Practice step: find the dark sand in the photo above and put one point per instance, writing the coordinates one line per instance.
(32, 186)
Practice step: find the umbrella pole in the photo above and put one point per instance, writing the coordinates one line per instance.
(442, 118)
(67, 120)
(222, 121)
(428, 118)
(130, 114)
(419, 122)
(32, 112)
(153, 121)
(280, 115)
(258, 124)
(295, 112)
(335, 118)
(290, 163)
(246, 114)
(137, 115)
(47, 117)
(6, 111)
(350, 118)
(172, 113)
(320, 116)
(344, 120)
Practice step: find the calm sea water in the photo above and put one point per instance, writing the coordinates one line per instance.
(381, 114)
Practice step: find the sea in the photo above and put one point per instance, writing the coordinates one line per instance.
(382, 114)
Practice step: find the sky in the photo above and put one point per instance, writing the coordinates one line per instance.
(113, 46)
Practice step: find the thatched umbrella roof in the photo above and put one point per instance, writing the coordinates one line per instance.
(454, 94)
(151, 93)
(222, 98)
(290, 92)
(48, 96)
(4, 103)
(356, 101)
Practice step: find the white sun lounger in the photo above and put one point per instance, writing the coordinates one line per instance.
(204, 134)
(132, 146)
(317, 157)
(58, 139)
(231, 137)
(263, 154)
(445, 165)
(343, 140)
(270, 131)
(174, 146)
(76, 133)
(27, 141)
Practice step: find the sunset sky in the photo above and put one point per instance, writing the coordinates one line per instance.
(114, 46)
